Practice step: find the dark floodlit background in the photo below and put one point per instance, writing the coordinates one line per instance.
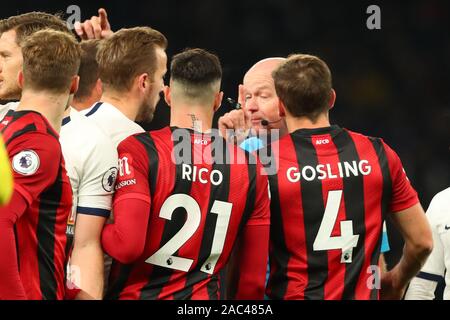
(393, 82)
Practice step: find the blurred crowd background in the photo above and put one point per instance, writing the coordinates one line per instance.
(393, 82)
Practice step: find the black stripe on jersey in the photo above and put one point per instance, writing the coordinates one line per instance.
(213, 288)
(117, 286)
(160, 276)
(313, 210)
(52, 133)
(387, 181)
(251, 195)
(45, 233)
(354, 207)
(153, 158)
(279, 254)
(28, 128)
(220, 193)
(249, 207)
(385, 198)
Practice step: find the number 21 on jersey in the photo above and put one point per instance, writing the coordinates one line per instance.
(164, 257)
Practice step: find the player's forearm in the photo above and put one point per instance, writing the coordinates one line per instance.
(124, 240)
(412, 261)
(87, 269)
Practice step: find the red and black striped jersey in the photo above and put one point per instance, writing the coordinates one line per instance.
(329, 198)
(41, 180)
(199, 205)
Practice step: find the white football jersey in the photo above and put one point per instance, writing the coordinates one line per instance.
(112, 122)
(422, 287)
(91, 164)
(4, 108)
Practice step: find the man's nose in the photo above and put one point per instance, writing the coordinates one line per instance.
(251, 105)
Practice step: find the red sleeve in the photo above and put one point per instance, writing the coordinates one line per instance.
(11, 287)
(35, 159)
(35, 168)
(124, 240)
(249, 263)
(403, 194)
(261, 212)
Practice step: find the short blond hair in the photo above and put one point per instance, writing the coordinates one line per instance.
(28, 23)
(50, 60)
(128, 53)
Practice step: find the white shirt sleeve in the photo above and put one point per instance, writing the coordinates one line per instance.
(422, 287)
(96, 185)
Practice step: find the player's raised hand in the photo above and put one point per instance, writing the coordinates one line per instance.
(97, 27)
(236, 121)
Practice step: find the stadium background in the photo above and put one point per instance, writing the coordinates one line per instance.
(393, 82)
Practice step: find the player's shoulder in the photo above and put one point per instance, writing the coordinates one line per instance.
(440, 204)
(148, 138)
(78, 126)
(27, 123)
(80, 138)
(361, 136)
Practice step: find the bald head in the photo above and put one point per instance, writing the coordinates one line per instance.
(264, 67)
(261, 99)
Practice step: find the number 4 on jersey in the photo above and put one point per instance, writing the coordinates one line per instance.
(346, 241)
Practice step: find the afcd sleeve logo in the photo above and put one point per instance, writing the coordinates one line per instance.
(26, 162)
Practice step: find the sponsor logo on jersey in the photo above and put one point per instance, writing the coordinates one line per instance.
(109, 179)
(26, 162)
(126, 170)
(125, 183)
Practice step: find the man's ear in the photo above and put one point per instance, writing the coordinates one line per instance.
(167, 95)
(332, 99)
(143, 81)
(98, 89)
(218, 100)
(74, 84)
(281, 108)
(20, 79)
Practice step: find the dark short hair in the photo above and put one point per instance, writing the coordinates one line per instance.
(195, 67)
(28, 23)
(128, 53)
(88, 71)
(303, 83)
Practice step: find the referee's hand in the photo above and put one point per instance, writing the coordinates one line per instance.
(236, 124)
